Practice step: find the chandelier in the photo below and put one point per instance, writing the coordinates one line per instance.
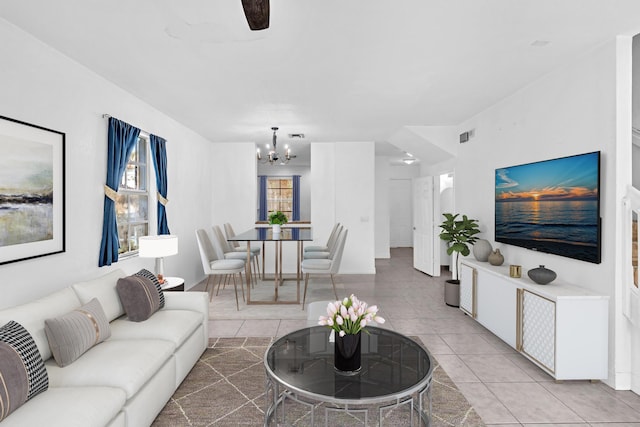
(273, 157)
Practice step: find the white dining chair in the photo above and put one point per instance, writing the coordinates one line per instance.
(331, 249)
(332, 237)
(255, 250)
(226, 251)
(329, 266)
(214, 266)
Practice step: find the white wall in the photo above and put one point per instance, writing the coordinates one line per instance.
(343, 191)
(355, 204)
(383, 209)
(233, 185)
(567, 112)
(447, 195)
(39, 85)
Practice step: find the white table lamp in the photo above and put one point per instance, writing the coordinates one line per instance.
(158, 247)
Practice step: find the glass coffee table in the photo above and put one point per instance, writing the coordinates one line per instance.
(303, 388)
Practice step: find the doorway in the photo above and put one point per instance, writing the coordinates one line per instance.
(401, 221)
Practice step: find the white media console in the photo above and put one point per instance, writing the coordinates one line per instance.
(560, 327)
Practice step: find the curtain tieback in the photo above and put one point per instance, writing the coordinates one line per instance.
(162, 200)
(110, 192)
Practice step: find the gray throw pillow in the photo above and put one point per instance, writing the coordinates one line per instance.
(22, 372)
(149, 275)
(139, 297)
(73, 334)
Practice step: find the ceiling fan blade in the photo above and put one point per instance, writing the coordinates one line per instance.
(257, 13)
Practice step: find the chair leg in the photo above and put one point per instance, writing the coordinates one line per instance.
(334, 287)
(206, 289)
(304, 296)
(254, 281)
(235, 288)
(220, 283)
(242, 286)
(257, 264)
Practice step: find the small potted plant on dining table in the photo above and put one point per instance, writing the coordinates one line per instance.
(277, 219)
(459, 234)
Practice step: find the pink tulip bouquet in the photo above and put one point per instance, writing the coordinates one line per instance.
(349, 316)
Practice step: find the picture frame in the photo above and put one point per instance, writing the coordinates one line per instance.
(32, 191)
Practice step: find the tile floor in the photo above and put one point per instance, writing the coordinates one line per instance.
(504, 387)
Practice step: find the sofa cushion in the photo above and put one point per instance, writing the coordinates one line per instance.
(22, 373)
(32, 315)
(70, 407)
(139, 297)
(74, 333)
(171, 325)
(126, 364)
(104, 289)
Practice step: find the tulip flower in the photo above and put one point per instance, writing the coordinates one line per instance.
(349, 316)
(344, 312)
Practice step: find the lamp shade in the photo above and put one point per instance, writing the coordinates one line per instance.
(157, 246)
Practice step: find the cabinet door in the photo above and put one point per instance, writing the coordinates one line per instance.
(468, 290)
(538, 329)
(496, 306)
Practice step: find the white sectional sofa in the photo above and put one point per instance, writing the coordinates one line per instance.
(123, 381)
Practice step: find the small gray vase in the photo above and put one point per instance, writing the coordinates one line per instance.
(482, 249)
(496, 258)
(542, 275)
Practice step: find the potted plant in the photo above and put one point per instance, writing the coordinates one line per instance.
(346, 319)
(459, 234)
(276, 219)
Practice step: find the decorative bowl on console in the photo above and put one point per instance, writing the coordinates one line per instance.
(542, 275)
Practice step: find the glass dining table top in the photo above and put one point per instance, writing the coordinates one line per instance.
(265, 234)
(393, 366)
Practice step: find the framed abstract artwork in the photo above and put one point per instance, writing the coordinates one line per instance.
(32, 187)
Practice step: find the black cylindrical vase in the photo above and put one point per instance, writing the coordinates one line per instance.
(346, 354)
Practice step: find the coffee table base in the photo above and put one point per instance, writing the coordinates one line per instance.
(419, 414)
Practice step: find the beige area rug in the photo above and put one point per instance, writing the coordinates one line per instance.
(226, 387)
(223, 305)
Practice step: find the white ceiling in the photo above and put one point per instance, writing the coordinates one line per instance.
(335, 70)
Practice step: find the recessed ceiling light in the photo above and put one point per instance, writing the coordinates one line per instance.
(540, 43)
(408, 154)
(296, 135)
(408, 161)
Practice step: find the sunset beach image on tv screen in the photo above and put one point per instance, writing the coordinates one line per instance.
(551, 206)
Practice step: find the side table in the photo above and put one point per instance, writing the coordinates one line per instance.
(173, 284)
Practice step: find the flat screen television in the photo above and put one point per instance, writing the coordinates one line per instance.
(552, 206)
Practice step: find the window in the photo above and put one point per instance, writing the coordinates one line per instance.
(280, 195)
(132, 203)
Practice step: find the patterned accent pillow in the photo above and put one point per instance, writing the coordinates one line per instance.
(139, 297)
(149, 275)
(22, 372)
(71, 335)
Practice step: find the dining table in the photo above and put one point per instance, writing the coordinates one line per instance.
(264, 235)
